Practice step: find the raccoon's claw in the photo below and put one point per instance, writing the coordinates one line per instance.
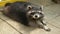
(48, 29)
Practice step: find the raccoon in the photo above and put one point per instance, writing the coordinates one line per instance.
(26, 14)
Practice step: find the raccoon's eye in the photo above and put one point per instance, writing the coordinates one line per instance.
(40, 13)
(32, 13)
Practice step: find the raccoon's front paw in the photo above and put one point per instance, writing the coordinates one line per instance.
(46, 28)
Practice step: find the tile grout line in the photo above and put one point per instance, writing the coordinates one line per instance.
(52, 24)
(11, 26)
(54, 17)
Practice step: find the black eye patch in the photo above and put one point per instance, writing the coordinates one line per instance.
(40, 13)
(32, 13)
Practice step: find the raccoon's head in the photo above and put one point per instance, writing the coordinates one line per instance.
(35, 13)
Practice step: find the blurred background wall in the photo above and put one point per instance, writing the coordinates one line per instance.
(42, 2)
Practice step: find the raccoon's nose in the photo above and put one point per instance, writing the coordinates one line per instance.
(36, 16)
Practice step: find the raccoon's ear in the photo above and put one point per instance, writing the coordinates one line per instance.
(41, 8)
(29, 7)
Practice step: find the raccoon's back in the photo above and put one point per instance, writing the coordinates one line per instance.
(17, 12)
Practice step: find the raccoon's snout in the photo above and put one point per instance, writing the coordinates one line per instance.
(36, 16)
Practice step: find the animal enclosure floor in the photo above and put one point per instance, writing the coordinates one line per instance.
(52, 15)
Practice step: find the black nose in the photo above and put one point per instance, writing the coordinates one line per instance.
(36, 16)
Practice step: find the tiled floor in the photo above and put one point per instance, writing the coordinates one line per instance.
(52, 15)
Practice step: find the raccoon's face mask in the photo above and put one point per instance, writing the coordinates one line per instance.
(35, 13)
